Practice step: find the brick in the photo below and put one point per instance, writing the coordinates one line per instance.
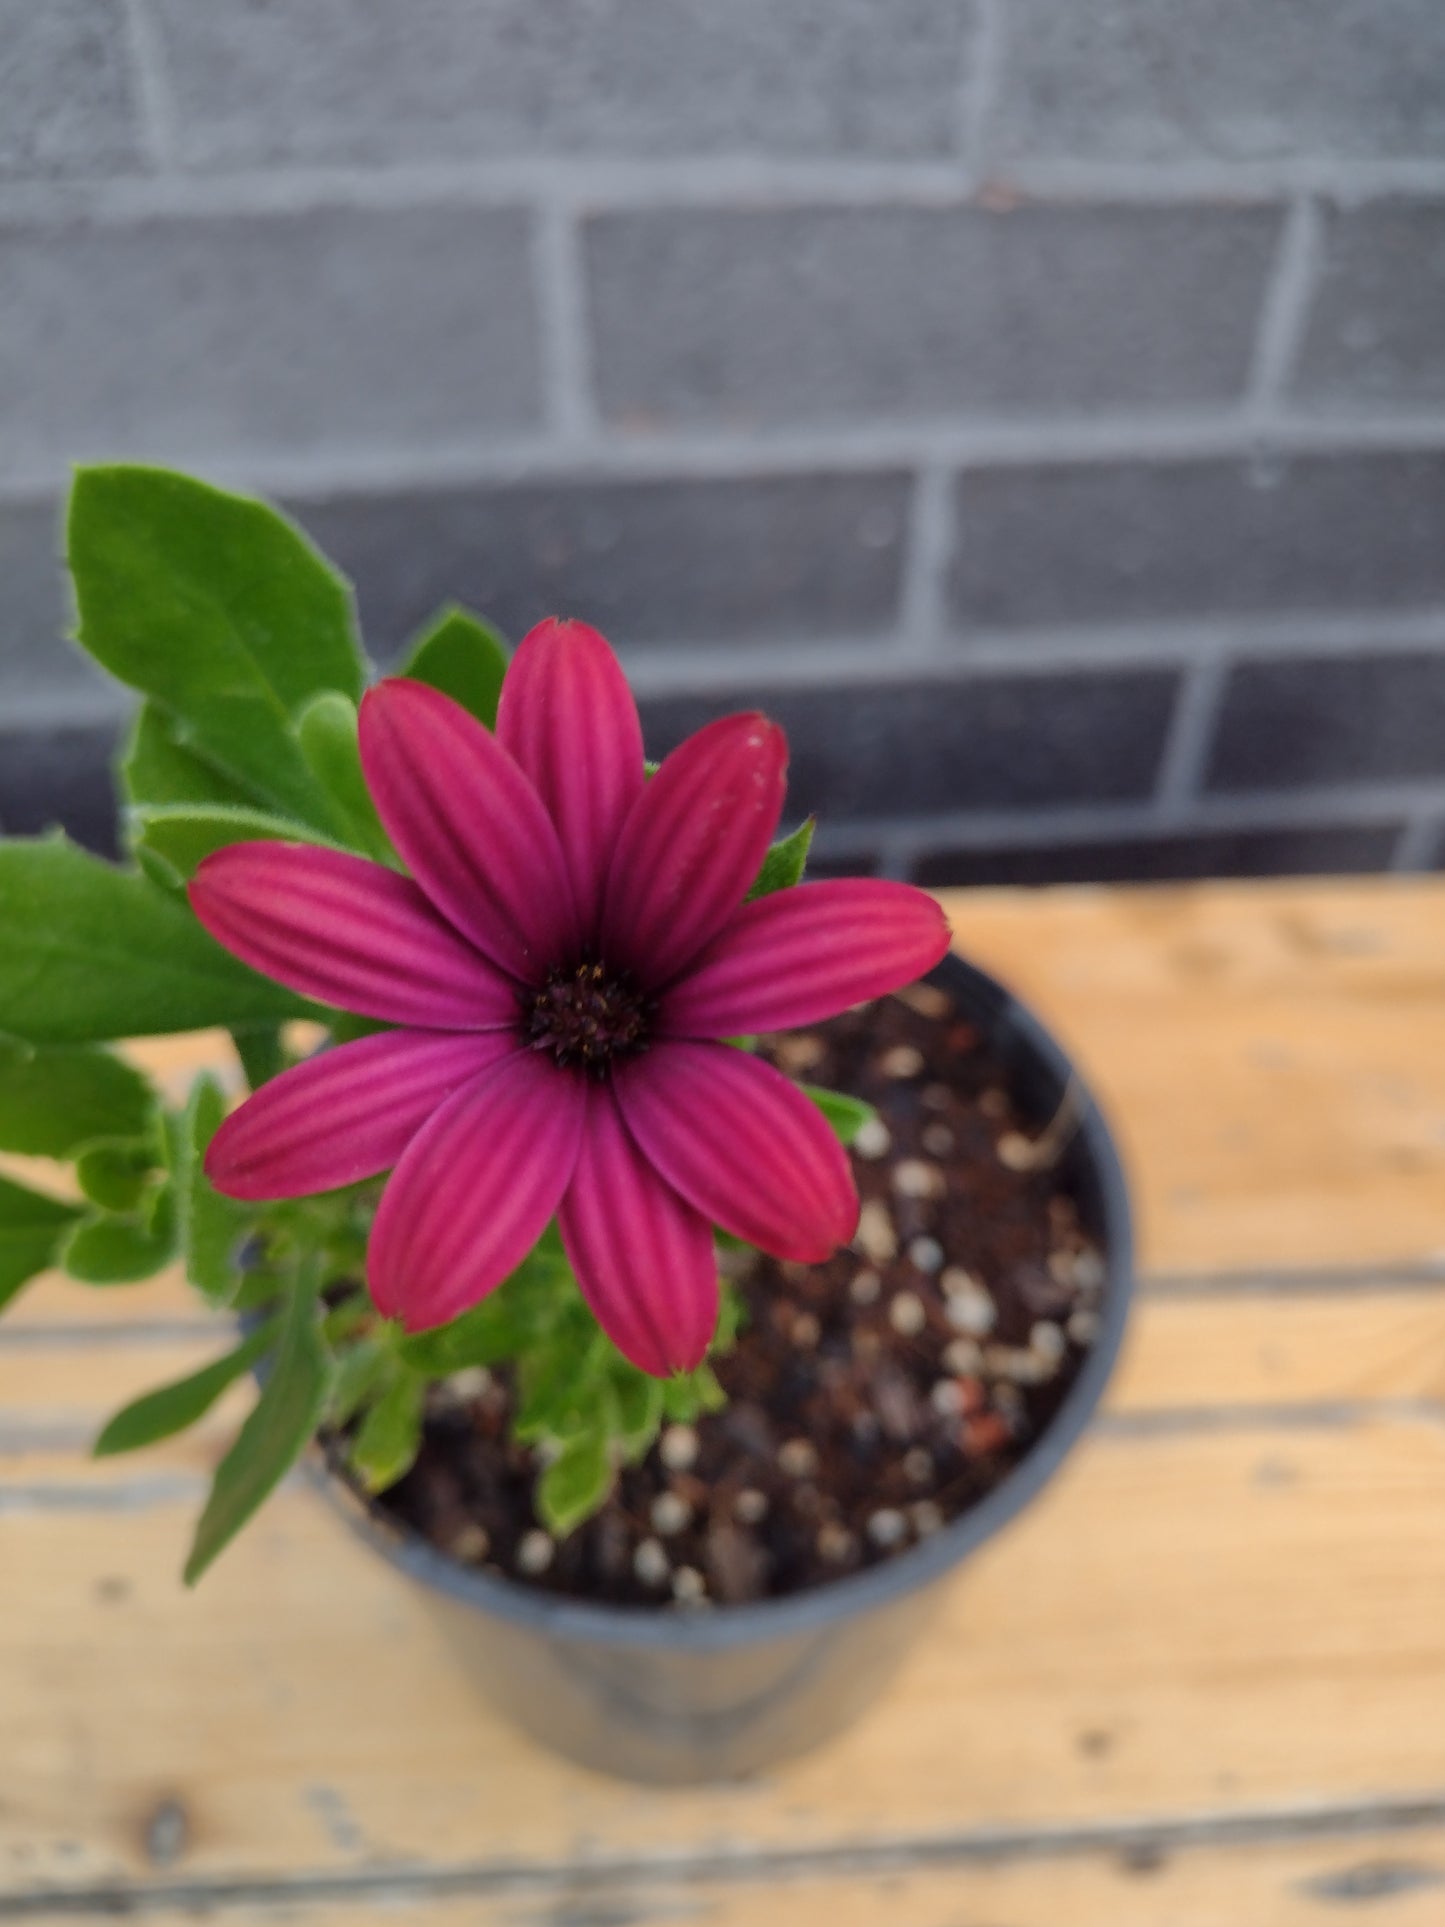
(1140, 541)
(649, 562)
(1375, 329)
(66, 105)
(181, 338)
(35, 655)
(59, 776)
(1298, 722)
(1303, 850)
(1237, 80)
(986, 742)
(747, 318)
(334, 80)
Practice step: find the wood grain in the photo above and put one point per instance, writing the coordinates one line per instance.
(1185, 1625)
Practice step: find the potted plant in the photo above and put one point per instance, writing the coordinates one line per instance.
(681, 1409)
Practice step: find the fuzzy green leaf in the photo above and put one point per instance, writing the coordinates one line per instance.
(182, 835)
(784, 863)
(639, 1409)
(385, 1447)
(361, 1372)
(89, 952)
(32, 1228)
(847, 1115)
(465, 659)
(54, 1100)
(274, 1436)
(221, 610)
(157, 767)
(212, 1226)
(576, 1482)
(171, 1408)
(109, 1249)
(115, 1172)
(502, 1326)
(326, 730)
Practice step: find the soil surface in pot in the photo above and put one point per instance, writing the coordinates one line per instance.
(873, 1398)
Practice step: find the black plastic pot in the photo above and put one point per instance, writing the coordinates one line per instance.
(676, 1696)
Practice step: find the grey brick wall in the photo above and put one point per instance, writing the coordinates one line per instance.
(1039, 406)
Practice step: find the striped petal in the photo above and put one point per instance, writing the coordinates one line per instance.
(643, 1258)
(349, 933)
(569, 721)
(743, 1145)
(804, 954)
(346, 1113)
(693, 843)
(475, 1190)
(473, 831)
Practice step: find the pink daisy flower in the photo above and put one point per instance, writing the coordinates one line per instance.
(562, 965)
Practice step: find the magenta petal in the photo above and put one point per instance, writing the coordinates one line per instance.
(804, 954)
(349, 933)
(568, 719)
(693, 845)
(743, 1145)
(344, 1114)
(475, 1189)
(643, 1258)
(473, 831)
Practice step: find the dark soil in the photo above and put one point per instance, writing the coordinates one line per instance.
(873, 1398)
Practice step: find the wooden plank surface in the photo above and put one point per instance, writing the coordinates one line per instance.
(1202, 1681)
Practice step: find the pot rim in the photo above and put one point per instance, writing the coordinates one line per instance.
(818, 1607)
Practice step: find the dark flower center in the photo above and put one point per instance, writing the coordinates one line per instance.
(587, 1016)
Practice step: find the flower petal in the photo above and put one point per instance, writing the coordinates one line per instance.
(475, 1189)
(344, 1114)
(569, 720)
(743, 1145)
(472, 829)
(643, 1258)
(804, 954)
(350, 933)
(692, 845)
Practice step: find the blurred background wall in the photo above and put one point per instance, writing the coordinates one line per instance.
(1038, 404)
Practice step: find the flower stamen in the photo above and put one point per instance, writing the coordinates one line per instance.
(587, 1016)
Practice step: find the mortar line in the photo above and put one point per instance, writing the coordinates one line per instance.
(1190, 736)
(926, 560)
(1419, 848)
(982, 87)
(154, 103)
(565, 341)
(365, 470)
(1286, 307)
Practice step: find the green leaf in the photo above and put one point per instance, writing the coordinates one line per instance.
(326, 730)
(847, 1115)
(158, 767)
(502, 1326)
(274, 1436)
(171, 1408)
(261, 1051)
(464, 658)
(221, 610)
(183, 835)
(386, 1446)
(575, 1484)
(89, 952)
(115, 1172)
(52, 1101)
(784, 863)
(212, 1226)
(690, 1394)
(109, 1249)
(639, 1409)
(32, 1227)
(361, 1371)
